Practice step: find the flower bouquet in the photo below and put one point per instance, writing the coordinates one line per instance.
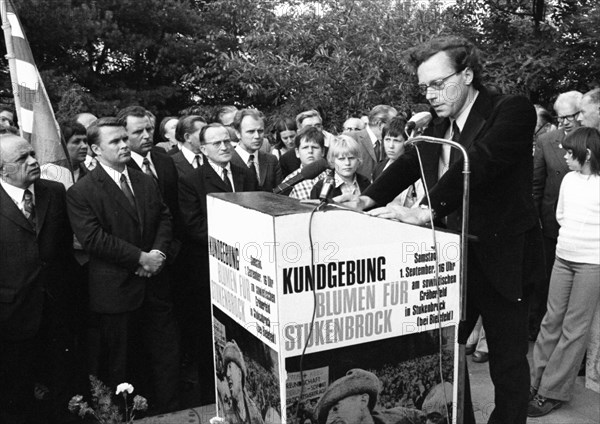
(103, 410)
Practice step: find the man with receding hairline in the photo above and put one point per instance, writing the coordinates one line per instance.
(589, 109)
(35, 253)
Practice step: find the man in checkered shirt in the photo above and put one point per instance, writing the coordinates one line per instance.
(310, 147)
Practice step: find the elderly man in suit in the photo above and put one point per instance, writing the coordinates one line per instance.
(119, 217)
(497, 132)
(549, 168)
(187, 133)
(249, 126)
(218, 175)
(372, 150)
(35, 253)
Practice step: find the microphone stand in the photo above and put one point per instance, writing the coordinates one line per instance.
(463, 265)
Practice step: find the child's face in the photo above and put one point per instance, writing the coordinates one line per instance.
(394, 146)
(572, 163)
(346, 165)
(309, 151)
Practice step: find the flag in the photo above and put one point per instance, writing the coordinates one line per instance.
(34, 110)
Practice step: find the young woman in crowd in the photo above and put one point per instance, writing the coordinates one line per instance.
(284, 130)
(344, 157)
(574, 289)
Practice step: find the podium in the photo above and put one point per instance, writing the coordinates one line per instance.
(300, 298)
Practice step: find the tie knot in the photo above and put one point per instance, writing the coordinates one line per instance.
(224, 172)
(455, 131)
(27, 195)
(123, 178)
(251, 158)
(146, 162)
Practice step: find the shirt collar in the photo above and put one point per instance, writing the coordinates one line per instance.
(139, 159)
(115, 175)
(16, 193)
(189, 155)
(462, 118)
(245, 155)
(339, 182)
(219, 169)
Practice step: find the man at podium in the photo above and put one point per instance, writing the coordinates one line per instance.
(497, 132)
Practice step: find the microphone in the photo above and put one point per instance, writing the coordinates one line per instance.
(307, 172)
(327, 188)
(418, 121)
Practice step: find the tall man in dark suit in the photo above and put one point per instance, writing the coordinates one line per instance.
(250, 128)
(187, 133)
(35, 248)
(549, 169)
(497, 132)
(217, 175)
(119, 217)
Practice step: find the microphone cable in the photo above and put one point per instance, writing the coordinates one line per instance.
(437, 285)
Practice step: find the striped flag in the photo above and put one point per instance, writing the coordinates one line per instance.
(36, 117)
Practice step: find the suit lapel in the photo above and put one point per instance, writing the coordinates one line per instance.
(557, 151)
(113, 190)
(365, 139)
(10, 210)
(160, 170)
(476, 120)
(42, 201)
(212, 179)
(238, 178)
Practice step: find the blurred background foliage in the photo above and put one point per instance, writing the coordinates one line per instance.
(283, 56)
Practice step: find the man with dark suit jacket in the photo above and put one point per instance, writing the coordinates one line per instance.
(35, 253)
(154, 162)
(549, 168)
(250, 128)
(497, 132)
(370, 140)
(187, 134)
(119, 217)
(217, 175)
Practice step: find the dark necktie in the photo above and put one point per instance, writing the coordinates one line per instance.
(226, 181)
(127, 191)
(196, 162)
(28, 209)
(377, 148)
(147, 168)
(251, 165)
(455, 153)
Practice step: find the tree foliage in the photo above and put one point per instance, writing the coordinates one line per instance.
(283, 56)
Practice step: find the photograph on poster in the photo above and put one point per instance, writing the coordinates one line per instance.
(396, 380)
(247, 374)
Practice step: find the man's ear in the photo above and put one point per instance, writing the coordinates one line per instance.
(468, 76)
(95, 148)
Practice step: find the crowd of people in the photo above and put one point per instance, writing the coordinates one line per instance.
(108, 266)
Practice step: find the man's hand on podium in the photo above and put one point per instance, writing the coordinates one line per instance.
(355, 202)
(394, 210)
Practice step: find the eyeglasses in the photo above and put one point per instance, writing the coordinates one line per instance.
(568, 118)
(351, 129)
(218, 144)
(438, 84)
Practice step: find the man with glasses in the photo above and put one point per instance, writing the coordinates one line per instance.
(217, 175)
(352, 125)
(549, 168)
(497, 132)
(589, 107)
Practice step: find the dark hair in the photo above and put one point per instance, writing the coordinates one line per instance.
(186, 125)
(310, 134)
(162, 125)
(241, 114)
(544, 114)
(202, 135)
(395, 128)
(135, 111)
(93, 131)
(71, 128)
(9, 108)
(462, 53)
(579, 141)
(280, 125)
